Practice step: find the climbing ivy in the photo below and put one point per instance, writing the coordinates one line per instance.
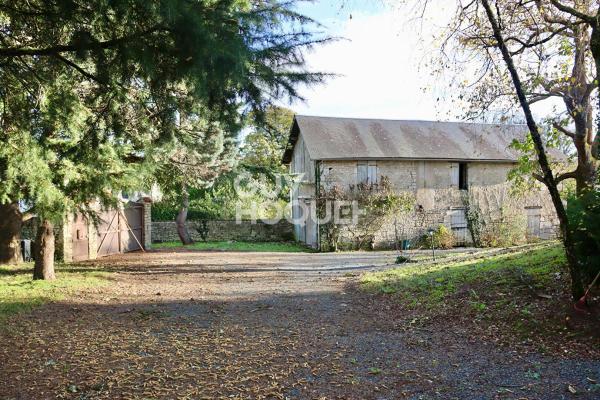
(377, 204)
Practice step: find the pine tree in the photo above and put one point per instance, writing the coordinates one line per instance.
(90, 91)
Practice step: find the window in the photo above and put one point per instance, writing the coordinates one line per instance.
(366, 172)
(463, 176)
(458, 176)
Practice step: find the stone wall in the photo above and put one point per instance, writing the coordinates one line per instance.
(438, 199)
(494, 203)
(147, 223)
(246, 231)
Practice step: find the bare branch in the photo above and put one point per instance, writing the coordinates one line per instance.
(531, 43)
(563, 130)
(567, 175)
(537, 97)
(570, 10)
(538, 177)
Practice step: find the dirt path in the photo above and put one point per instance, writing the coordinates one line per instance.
(261, 325)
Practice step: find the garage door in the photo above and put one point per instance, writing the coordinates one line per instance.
(118, 231)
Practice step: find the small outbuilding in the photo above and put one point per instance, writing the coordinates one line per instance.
(119, 230)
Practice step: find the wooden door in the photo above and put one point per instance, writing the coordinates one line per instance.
(108, 233)
(120, 232)
(132, 227)
(458, 224)
(79, 237)
(534, 219)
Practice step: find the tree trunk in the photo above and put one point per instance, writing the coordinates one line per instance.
(579, 106)
(596, 146)
(44, 252)
(182, 230)
(587, 166)
(595, 49)
(11, 222)
(577, 287)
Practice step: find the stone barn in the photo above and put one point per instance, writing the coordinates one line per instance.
(439, 163)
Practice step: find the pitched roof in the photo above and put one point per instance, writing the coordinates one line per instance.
(330, 138)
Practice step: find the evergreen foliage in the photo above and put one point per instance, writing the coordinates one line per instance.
(99, 96)
(265, 144)
(584, 214)
(255, 166)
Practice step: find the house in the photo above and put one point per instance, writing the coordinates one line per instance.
(440, 163)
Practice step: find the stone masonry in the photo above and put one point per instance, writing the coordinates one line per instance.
(436, 198)
(225, 230)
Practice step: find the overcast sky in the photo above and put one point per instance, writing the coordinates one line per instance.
(380, 63)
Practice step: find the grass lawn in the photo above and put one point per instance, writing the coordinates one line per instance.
(277, 247)
(19, 292)
(519, 297)
(438, 281)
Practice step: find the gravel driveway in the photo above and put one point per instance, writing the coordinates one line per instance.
(259, 325)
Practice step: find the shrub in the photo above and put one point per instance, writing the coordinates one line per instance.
(495, 217)
(377, 202)
(442, 238)
(504, 233)
(402, 259)
(584, 214)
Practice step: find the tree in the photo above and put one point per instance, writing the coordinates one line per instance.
(530, 53)
(96, 86)
(194, 162)
(267, 140)
(554, 63)
(585, 15)
(193, 183)
(10, 233)
(548, 177)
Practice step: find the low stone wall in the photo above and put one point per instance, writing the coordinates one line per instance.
(224, 230)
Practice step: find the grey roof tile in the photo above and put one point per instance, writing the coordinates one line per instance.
(329, 138)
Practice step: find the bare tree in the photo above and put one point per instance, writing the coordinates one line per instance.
(552, 56)
(530, 52)
(587, 15)
(548, 177)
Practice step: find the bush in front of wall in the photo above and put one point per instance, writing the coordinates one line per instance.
(377, 203)
(509, 231)
(495, 216)
(442, 239)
